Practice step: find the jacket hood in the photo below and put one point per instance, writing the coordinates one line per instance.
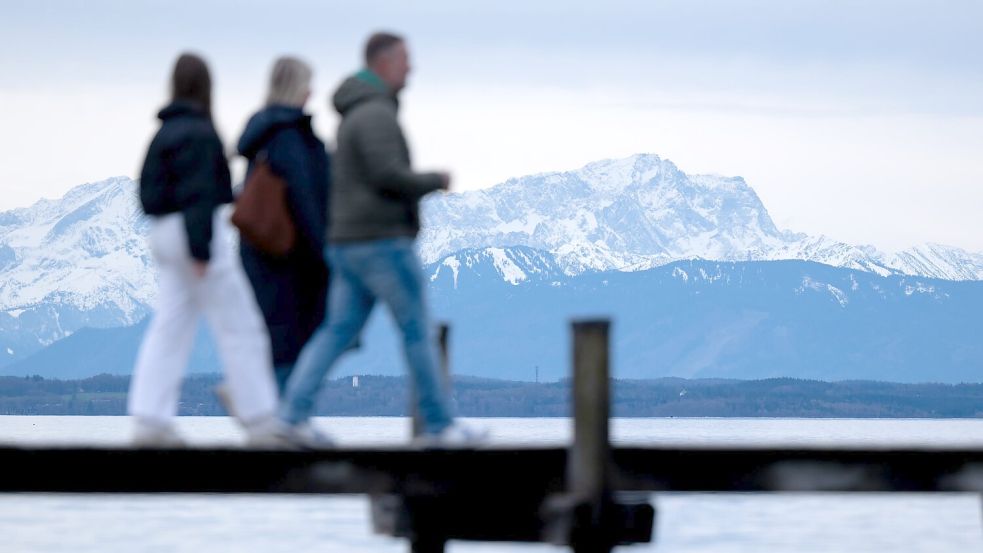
(265, 122)
(178, 108)
(361, 87)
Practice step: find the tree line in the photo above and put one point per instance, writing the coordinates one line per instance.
(477, 397)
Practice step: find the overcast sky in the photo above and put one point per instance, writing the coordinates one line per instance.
(859, 120)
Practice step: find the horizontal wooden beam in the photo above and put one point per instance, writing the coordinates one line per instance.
(492, 472)
(763, 469)
(339, 471)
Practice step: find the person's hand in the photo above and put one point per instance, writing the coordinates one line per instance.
(200, 268)
(445, 181)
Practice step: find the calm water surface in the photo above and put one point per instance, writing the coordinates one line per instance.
(690, 523)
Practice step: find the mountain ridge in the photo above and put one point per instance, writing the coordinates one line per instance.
(81, 261)
(649, 213)
(690, 319)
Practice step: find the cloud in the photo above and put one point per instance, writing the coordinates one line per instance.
(823, 105)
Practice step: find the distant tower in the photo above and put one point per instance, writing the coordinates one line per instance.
(354, 382)
(537, 374)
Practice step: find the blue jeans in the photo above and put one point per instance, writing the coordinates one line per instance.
(361, 273)
(282, 373)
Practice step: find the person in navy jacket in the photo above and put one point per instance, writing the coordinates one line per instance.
(291, 290)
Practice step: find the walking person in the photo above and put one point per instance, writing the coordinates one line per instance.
(374, 223)
(184, 181)
(291, 290)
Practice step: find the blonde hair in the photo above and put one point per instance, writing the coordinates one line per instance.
(290, 82)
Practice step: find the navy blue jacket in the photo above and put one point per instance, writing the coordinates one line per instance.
(292, 290)
(186, 171)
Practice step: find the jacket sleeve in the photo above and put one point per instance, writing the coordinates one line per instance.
(289, 158)
(380, 140)
(206, 184)
(153, 181)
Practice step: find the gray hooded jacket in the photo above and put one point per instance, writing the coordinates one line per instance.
(375, 194)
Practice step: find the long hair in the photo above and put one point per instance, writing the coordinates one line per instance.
(192, 82)
(290, 82)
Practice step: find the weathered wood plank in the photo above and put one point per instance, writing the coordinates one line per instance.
(493, 469)
(765, 469)
(343, 471)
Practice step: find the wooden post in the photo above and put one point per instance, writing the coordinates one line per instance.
(443, 361)
(588, 476)
(588, 461)
(429, 542)
(427, 545)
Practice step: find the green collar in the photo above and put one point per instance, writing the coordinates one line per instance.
(369, 76)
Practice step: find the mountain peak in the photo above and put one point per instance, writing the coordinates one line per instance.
(636, 162)
(642, 211)
(85, 253)
(614, 175)
(609, 214)
(88, 191)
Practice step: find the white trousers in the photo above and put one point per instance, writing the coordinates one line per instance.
(226, 300)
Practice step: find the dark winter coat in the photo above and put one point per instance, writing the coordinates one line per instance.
(375, 192)
(186, 171)
(292, 290)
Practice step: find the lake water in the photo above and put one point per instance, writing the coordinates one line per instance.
(690, 523)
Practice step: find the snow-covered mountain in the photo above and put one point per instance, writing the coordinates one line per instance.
(619, 214)
(92, 240)
(695, 319)
(82, 261)
(513, 265)
(79, 261)
(642, 212)
(939, 261)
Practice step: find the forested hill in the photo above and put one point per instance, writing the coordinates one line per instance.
(667, 397)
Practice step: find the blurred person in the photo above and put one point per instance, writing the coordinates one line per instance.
(375, 199)
(184, 181)
(291, 290)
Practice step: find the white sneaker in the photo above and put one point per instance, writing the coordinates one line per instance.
(455, 435)
(156, 435)
(267, 433)
(224, 396)
(305, 436)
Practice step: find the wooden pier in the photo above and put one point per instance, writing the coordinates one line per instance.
(588, 496)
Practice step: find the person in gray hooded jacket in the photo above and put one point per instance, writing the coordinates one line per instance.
(376, 194)
(374, 221)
